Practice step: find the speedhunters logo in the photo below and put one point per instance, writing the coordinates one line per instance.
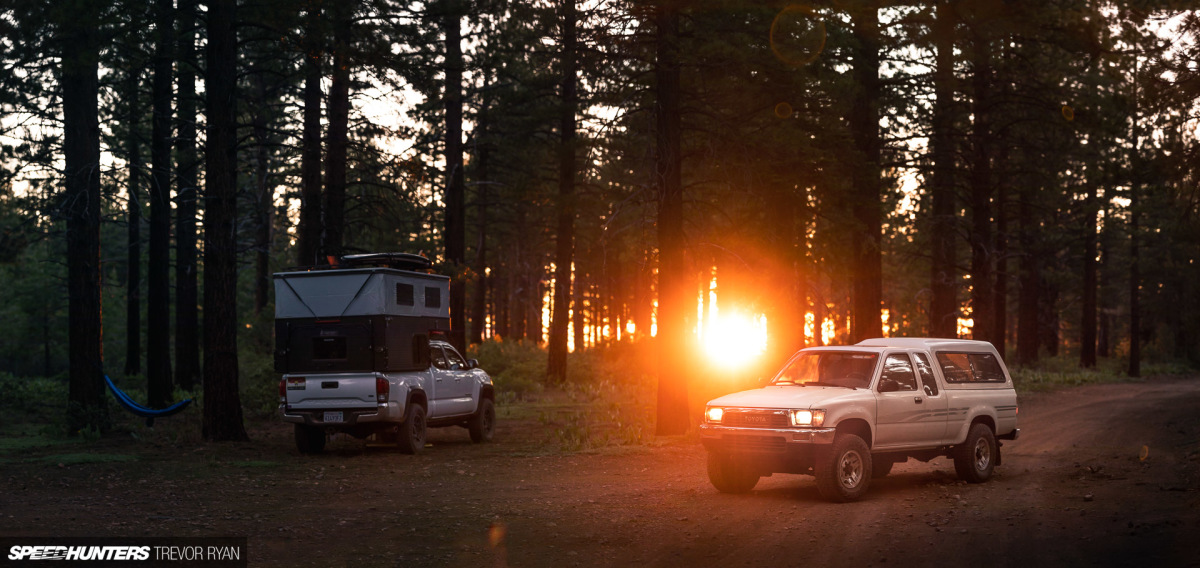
(79, 553)
(215, 552)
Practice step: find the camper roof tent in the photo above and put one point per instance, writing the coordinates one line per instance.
(358, 316)
(361, 292)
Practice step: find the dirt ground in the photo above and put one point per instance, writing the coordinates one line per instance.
(1102, 475)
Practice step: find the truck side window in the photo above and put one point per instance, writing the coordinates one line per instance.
(457, 363)
(438, 357)
(926, 371)
(898, 369)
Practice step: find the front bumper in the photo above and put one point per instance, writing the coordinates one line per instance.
(739, 439)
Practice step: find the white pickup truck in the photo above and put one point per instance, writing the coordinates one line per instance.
(847, 414)
(398, 407)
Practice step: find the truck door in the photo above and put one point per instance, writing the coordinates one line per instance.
(901, 410)
(440, 399)
(936, 400)
(461, 395)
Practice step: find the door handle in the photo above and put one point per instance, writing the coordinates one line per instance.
(918, 399)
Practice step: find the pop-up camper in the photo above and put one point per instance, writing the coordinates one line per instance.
(360, 346)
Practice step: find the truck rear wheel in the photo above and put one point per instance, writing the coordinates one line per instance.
(729, 475)
(309, 439)
(844, 471)
(483, 422)
(975, 458)
(410, 436)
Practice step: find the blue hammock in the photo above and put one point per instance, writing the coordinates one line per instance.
(148, 413)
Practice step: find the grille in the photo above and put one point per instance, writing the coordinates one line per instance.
(761, 444)
(756, 419)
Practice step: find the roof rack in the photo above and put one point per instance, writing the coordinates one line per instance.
(396, 260)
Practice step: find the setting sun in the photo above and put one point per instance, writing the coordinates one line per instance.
(733, 339)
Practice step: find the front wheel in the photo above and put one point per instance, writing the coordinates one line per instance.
(844, 472)
(410, 437)
(729, 475)
(483, 422)
(975, 458)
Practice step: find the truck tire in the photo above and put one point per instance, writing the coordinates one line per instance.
(844, 471)
(483, 422)
(975, 458)
(410, 435)
(310, 439)
(730, 476)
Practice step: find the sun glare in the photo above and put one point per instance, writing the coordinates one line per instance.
(734, 339)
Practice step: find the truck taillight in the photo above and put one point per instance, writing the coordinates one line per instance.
(282, 391)
(382, 389)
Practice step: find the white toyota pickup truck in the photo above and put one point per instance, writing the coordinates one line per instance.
(847, 414)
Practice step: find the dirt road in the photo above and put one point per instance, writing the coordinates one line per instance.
(1102, 475)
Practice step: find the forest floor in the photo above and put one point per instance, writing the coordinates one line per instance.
(1101, 475)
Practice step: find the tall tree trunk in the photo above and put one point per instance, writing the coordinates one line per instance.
(673, 280)
(1000, 291)
(158, 308)
(1135, 285)
(1087, 328)
(133, 279)
(982, 246)
(866, 321)
(222, 420)
(456, 210)
(483, 163)
(1029, 294)
(556, 369)
(338, 138)
(187, 199)
(264, 199)
(308, 233)
(80, 204)
(943, 309)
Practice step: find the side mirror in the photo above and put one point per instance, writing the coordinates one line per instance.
(472, 363)
(888, 385)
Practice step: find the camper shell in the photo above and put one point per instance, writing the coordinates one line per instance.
(359, 318)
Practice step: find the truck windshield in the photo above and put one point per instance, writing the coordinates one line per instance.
(850, 369)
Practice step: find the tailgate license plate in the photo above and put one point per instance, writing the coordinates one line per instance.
(332, 417)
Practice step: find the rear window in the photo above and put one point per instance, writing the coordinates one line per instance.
(970, 367)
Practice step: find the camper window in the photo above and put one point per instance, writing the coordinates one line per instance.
(404, 294)
(433, 297)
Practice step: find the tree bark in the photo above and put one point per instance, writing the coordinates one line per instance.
(456, 211)
(982, 246)
(158, 307)
(1029, 294)
(673, 280)
(222, 420)
(264, 198)
(133, 274)
(1087, 329)
(338, 138)
(483, 162)
(187, 198)
(866, 321)
(560, 314)
(308, 233)
(943, 309)
(80, 204)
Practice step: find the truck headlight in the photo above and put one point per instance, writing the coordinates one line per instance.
(813, 418)
(714, 413)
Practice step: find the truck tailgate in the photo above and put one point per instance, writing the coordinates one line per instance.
(334, 390)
